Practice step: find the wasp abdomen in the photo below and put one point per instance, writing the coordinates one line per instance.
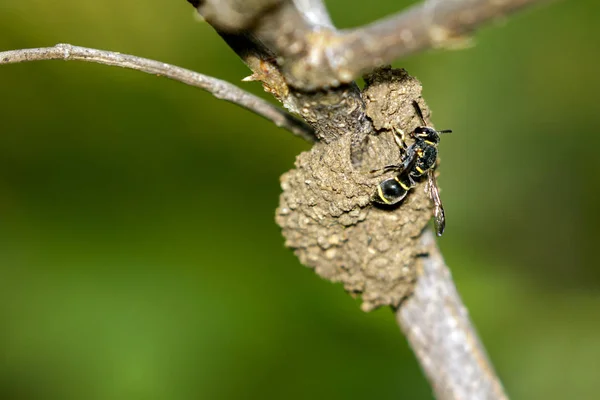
(393, 190)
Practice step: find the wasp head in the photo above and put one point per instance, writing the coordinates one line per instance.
(427, 134)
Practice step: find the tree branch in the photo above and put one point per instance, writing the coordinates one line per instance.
(437, 326)
(431, 24)
(233, 15)
(315, 56)
(220, 89)
(315, 12)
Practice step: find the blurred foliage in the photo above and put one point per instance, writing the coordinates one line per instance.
(138, 253)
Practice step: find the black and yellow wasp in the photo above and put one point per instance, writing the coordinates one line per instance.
(418, 159)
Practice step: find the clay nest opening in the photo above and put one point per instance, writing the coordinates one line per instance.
(326, 211)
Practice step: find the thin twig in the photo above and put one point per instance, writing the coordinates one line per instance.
(442, 336)
(220, 89)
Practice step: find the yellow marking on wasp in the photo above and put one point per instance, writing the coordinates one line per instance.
(399, 132)
(429, 142)
(381, 196)
(407, 188)
(419, 169)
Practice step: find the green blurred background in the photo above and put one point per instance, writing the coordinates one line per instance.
(139, 258)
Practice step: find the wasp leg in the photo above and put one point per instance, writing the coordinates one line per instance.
(387, 168)
(400, 138)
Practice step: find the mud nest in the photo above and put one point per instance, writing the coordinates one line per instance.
(326, 211)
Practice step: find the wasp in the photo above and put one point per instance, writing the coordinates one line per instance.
(418, 159)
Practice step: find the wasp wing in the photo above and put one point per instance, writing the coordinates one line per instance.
(438, 209)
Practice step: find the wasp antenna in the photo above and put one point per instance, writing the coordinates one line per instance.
(445, 131)
(419, 112)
